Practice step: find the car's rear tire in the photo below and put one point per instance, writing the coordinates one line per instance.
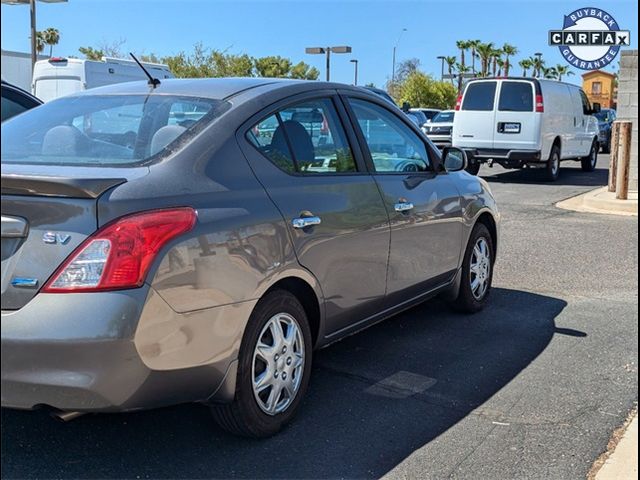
(477, 271)
(274, 367)
(590, 161)
(473, 167)
(552, 170)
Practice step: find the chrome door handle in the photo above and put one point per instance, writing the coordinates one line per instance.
(403, 206)
(304, 222)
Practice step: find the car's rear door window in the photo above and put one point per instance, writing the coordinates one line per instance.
(305, 138)
(393, 146)
(480, 96)
(516, 97)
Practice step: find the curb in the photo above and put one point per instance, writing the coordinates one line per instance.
(622, 462)
(601, 200)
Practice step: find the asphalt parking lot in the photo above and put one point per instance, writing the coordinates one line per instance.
(532, 387)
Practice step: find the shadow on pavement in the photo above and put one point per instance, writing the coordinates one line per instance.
(374, 399)
(570, 174)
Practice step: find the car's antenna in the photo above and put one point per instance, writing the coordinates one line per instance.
(154, 82)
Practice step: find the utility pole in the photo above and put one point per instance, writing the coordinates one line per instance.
(355, 75)
(327, 51)
(393, 68)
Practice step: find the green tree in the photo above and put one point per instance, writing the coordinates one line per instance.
(91, 53)
(538, 66)
(51, 37)
(462, 45)
(509, 51)
(451, 65)
(304, 71)
(422, 90)
(473, 45)
(495, 56)
(502, 64)
(462, 71)
(485, 52)
(525, 64)
(563, 70)
(272, 66)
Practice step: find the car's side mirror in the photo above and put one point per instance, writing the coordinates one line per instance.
(596, 108)
(454, 159)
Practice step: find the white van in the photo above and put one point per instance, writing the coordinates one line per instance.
(57, 76)
(526, 123)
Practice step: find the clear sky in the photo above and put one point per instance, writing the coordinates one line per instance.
(285, 28)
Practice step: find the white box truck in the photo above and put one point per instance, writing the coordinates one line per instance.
(57, 76)
(526, 123)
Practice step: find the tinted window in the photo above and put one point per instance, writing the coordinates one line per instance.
(443, 117)
(11, 108)
(102, 130)
(586, 105)
(393, 145)
(516, 97)
(479, 96)
(306, 138)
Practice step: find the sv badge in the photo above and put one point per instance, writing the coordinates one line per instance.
(53, 238)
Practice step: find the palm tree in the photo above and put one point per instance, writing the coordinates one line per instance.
(538, 66)
(451, 63)
(501, 65)
(473, 45)
(40, 42)
(51, 37)
(462, 45)
(509, 51)
(462, 70)
(549, 73)
(485, 52)
(497, 53)
(563, 70)
(526, 64)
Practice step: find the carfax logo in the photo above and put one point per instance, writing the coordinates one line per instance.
(590, 38)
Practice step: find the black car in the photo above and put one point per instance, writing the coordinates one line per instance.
(605, 117)
(15, 101)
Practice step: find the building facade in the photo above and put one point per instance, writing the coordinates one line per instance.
(600, 87)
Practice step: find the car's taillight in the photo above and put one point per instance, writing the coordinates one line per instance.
(459, 102)
(539, 104)
(119, 254)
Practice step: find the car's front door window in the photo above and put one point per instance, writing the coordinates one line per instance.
(394, 147)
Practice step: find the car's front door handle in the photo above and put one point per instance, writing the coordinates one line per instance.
(304, 222)
(403, 206)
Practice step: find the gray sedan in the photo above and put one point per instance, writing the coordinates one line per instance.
(197, 241)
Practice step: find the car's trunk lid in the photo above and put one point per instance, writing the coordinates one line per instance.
(45, 216)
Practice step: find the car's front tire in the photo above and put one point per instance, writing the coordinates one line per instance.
(473, 167)
(477, 271)
(589, 162)
(274, 367)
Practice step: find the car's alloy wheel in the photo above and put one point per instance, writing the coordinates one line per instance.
(278, 364)
(274, 366)
(480, 268)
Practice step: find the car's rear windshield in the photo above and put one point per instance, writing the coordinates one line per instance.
(479, 96)
(516, 97)
(104, 130)
(443, 117)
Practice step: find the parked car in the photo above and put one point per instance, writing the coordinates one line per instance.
(418, 117)
(59, 76)
(15, 101)
(207, 262)
(440, 127)
(428, 112)
(526, 122)
(605, 118)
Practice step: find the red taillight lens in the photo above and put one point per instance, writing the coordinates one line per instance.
(119, 255)
(539, 104)
(459, 102)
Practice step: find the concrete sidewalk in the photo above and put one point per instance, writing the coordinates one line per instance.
(602, 201)
(622, 462)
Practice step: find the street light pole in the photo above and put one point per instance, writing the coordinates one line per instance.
(34, 53)
(393, 69)
(327, 51)
(355, 75)
(441, 58)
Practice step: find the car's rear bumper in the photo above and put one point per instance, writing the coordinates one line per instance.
(506, 157)
(85, 352)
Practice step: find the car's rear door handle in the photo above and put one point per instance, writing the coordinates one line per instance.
(304, 222)
(403, 206)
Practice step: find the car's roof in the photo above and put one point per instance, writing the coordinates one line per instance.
(215, 88)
